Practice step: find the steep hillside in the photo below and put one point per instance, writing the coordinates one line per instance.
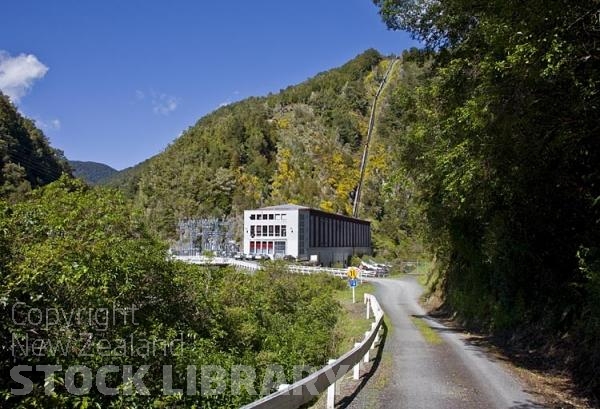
(127, 179)
(26, 158)
(91, 172)
(504, 151)
(302, 145)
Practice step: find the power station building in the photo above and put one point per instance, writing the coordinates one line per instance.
(305, 234)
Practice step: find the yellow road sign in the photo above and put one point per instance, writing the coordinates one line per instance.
(352, 272)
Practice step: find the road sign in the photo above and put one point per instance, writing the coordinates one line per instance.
(352, 272)
(353, 282)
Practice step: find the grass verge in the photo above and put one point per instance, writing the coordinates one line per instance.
(352, 323)
(425, 273)
(431, 337)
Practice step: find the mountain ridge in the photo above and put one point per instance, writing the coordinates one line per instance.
(91, 172)
(301, 145)
(27, 160)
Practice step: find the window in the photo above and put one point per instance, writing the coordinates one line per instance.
(283, 232)
(264, 231)
(280, 248)
(301, 243)
(271, 231)
(271, 216)
(277, 217)
(251, 231)
(270, 247)
(258, 231)
(277, 231)
(283, 216)
(252, 217)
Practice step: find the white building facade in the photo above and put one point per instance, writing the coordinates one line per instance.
(305, 234)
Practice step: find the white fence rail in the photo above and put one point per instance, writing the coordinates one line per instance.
(203, 259)
(253, 266)
(219, 261)
(245, 265)
(338, 272)
(307, 389)
(249, 265)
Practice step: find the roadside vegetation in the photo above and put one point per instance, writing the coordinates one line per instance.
(352, 323)
(82, 254)
(428, 333)
(499, 139)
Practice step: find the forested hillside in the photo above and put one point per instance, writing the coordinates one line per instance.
(502, 142)
(486, 150)
(301, 145)
(26, 158)
(91, 172)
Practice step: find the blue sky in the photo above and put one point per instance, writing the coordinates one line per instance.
(117, 81)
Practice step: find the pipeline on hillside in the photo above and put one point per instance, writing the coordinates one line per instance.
(363, 162)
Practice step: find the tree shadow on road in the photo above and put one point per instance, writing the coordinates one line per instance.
(438, 327)
(528, 405)
(550, 384)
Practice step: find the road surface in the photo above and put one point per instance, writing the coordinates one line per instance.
(417, 372)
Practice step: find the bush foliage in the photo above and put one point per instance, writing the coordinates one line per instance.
(80, 252)
(26, 158)
(500, 138)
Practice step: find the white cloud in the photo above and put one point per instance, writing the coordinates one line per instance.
(17, 74)
(163, 104)
(228, 101)
(51, 125)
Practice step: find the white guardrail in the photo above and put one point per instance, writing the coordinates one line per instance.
(297, 394)
(338, 272)
(253, 266)
(218, 261)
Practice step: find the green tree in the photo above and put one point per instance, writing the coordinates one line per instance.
(26, 158)
(504, 151)
(83, 254)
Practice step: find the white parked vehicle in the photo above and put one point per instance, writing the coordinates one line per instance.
(371, 269)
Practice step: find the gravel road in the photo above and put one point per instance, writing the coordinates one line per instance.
(424, 374)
